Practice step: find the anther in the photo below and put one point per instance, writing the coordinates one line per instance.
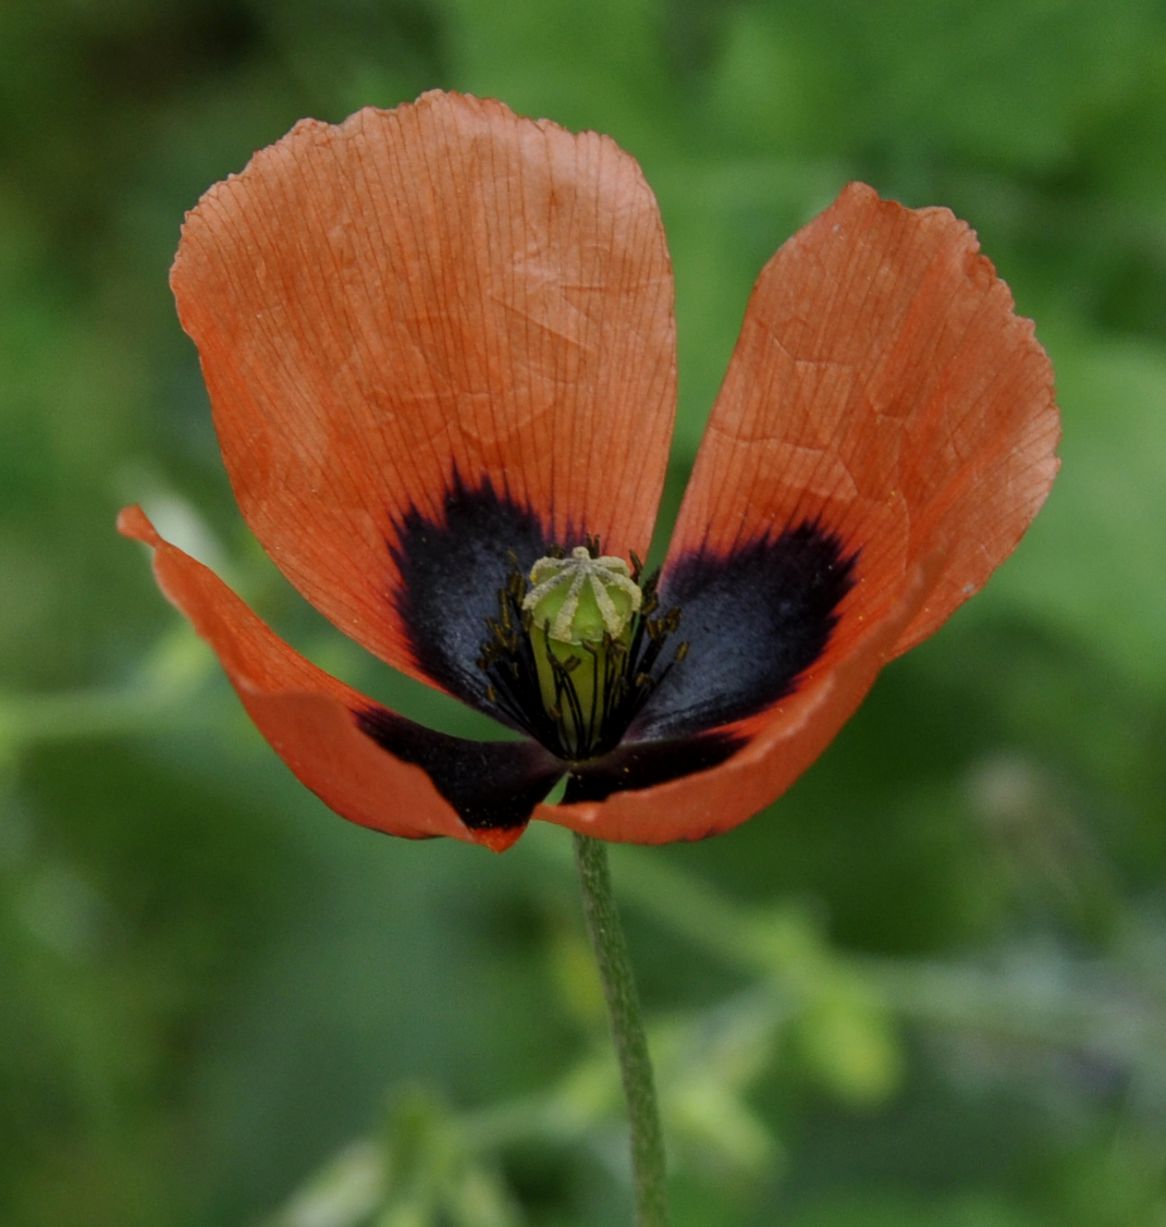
(573, 652)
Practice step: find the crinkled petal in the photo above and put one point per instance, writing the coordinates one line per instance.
(419, 307)
(368, 764)
(883, 393)
(885, 433)
(753, 761)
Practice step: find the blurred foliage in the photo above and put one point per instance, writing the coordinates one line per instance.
(937, 995)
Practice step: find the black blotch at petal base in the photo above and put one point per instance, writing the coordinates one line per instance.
(493, 785)
(754, 619)
(450, 576)
(643, 764)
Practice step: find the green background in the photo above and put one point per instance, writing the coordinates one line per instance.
(927, 987)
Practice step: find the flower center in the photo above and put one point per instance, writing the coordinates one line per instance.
(582, 599)
(575, 650)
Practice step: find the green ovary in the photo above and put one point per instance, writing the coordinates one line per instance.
(582, 620)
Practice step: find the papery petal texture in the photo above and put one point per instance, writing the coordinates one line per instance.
(370, 765)
(776, 748)
(439, 342)
(436, 299)
(885, 434)
(883, 389)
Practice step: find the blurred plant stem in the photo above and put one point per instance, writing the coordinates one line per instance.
(151, 700)
(1080, 1005)
(71, 714)
(711, 1058)
(627, 1029)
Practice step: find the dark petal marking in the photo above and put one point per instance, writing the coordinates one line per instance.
(622, 675)
(754, 621)
(645, 763)
(450, 573)
(491, 784)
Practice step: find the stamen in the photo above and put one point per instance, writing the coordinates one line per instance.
(572, 655)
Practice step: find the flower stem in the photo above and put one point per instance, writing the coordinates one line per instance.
(627, 1029)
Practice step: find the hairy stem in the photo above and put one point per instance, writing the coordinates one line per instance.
(627, 1028)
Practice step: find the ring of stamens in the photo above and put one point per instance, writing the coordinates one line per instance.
(576, 694)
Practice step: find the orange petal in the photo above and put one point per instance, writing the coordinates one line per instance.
(436, 298)
(780, 744)
(883, 389)
(394, 776)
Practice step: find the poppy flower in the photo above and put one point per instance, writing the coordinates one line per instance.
(439, 347)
